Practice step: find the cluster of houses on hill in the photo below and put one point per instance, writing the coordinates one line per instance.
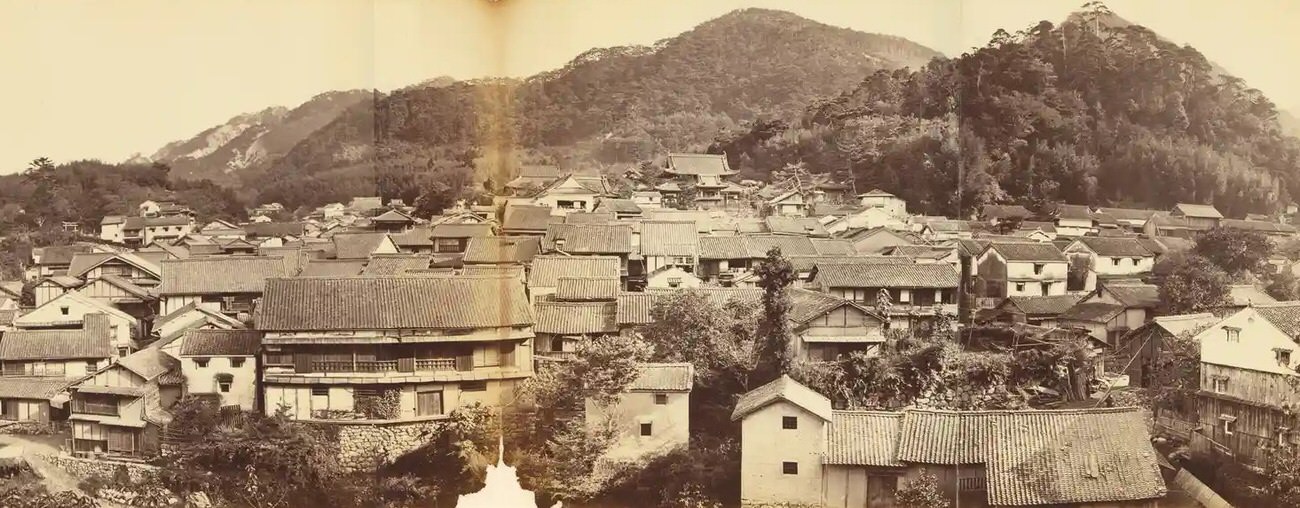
(365, 314)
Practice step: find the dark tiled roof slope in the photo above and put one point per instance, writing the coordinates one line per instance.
(381, 303)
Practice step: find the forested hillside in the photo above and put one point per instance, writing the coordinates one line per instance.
(610, 105)
(1095, 111)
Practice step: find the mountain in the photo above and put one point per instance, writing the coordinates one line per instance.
(1289, 122)
(253, 139)
(608, 105)
(1095, 110)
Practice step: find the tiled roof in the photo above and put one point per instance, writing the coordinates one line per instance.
(806, 304)
(949, 226)
(876, 192)
(1284, 315)
(663, 377)
(833, 247)
(1183, 323)
(7, 316)
(858, 275)
(1074, 212)
(1093, 312)
(503, 270)
(698, 164)
(943, 437)
(662, 238)
(64, 281)
(1198, 211)
(356, 245)
(1258, 225)
(273, 229)
(589, 217)
(805, 226)
(547, 270)
(149, 362)
(864, 438)
(55, 345)
(1072, 457)
(85, 261)
(381, 303)
(1152, 245)
(574, 318)
(626, 206)
(1130, 214)
(1116, 247)
(1027, 251)
(1146, 296)
(501, 249)
(393, 216)
(12, 287)
(634, 308)
(1175, 243)
(1044, 305)
(783, 388)
(1046, 227)
(723, 247)
(461, 230)
(418, 236)
(526, 218)
(333, 268)
(754, 247)
(1004, 212)
(221, 343)
(33, 387)
(806, 263)
(125, 285)
(60, 254)
(920, 251)
(221, 274)
(588, 238)
(587, 288)
(1248, 294)
(395, 264)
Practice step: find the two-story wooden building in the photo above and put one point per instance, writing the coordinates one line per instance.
(228, 283)
(122, 409)
(392, 348)
(917, 292)
(1021, 269)
(1110, 258)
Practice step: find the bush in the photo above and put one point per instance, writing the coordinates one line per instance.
(385, 406)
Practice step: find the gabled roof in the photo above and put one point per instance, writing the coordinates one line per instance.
(1073, 212)
(1004, 212)
(1130, 214)
(575, 318)
(527, 218)
(1027, 251)
(1248, 294)
(833, 247)
(663, 377)
(1197, 211)
(547, 270)
(587, 288)
(12, 288)
(148, 363)
(1092, 312)
(876, 193)
(783, 388)
(87, 261)
(396, 264)
(663, 238)
(222, 274)
(698, 164)
(578, 217)
(58, 254)
(357, 245)
(1184, 323)
(92, 341)
(1146, 296)
(125, 285)
(221, 343)
(332, 268)
(382, 303)
(63, 281)
(1044, 305)
(806, 305)
(418, 236)
(806, 226)
(588, 238)
(393, 216)
(944, 437)
(626, 206)
(754, 246)
(859, 275)
(501, 249)
(273, 229)
(1115, 247)
(34, 387)
(806, 263)
(948, 226)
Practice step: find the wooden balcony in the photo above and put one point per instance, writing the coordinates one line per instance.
(400, 365)
(94, 408)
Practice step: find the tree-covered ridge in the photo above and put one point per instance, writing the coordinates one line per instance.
(1094, 111)
(609, 105)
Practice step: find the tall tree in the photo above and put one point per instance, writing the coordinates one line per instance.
(1191, 283)
(774, 357)
(1234, 250)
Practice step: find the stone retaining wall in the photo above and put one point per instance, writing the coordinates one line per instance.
(364, 445)
(82, 468)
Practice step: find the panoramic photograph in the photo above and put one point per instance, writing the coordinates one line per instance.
(649, 253)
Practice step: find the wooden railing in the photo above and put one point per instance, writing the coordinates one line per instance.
(402, 365)
(349, 366)
(94, 408)
(436, 364)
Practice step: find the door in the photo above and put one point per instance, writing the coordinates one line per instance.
(428, 403)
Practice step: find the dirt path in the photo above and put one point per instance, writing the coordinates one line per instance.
(55, 479)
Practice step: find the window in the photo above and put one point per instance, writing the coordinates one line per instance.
(320, 391)
(428, 403)
(1220, 384)
(224, 381)
(661, 399)
(1038, 268)
(1136, 261)
(789, 422)
(236, 362)
(63, 310)
(790, 468)
(123, 351)
(91, 367)
(473, 386)
(1020, 287)
(1114, 261)
(201, 363)
(1233, 333)
(674, 282)
(1283, 356)
(647, 429)
(1046, 287)
(1229, 422)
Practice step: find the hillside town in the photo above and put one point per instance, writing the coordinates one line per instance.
(381, 326)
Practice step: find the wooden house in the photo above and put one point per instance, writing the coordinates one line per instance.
(72, 310)
(1110, 258)
(1021, 269)
(918, 293)
(229, 284)
(828, 328)
(121, 409)
(650, 416)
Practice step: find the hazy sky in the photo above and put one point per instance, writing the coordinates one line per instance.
(108, 78)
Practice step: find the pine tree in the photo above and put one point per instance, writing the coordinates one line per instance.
(773, 348)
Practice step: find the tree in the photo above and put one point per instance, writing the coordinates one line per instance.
(1191, 283)
(1283, 285)
(1283, 475)
(773, 348)
(1176, 375)
(1234, 250)
(922, 492)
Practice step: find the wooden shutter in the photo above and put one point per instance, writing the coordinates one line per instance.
(465, 362)
(406, 364)
(428, 403)
(302, 362)
(121, 441)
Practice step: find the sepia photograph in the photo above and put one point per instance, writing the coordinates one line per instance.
(649, 254)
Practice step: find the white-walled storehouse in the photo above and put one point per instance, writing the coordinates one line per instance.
(652, 415)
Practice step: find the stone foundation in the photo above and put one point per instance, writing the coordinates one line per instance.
(86, 468)
(365, 445)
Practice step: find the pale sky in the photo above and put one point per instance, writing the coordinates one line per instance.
(109, 78)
